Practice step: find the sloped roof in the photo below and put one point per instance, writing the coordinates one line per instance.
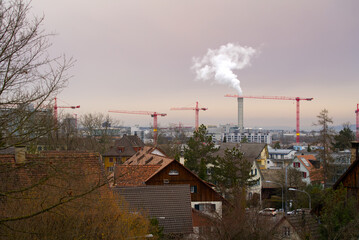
(305, 160)
(140, 167)
(350, 169)
(170, 204)
(58, 176)
(251, 151)
(149, 156)
(128, 143)
(38, 165)
(133, 175)
(304, 224)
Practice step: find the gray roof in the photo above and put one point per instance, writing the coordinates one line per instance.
(170, 204)
(126, 142)
(304, 224)
(251, 151)
(129, 141)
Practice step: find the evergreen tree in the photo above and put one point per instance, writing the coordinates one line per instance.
(199, 152)
(344, 138)
(232, 170)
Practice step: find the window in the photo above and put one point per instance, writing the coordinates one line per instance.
(286, 232)
(304, 174)
(110, 169)
(166, 181)
(255, 172)
(173, 172)
(111, 160)
(194, 189)
(205, 207)
(296, 164)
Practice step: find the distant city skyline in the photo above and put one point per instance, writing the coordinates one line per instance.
(137, 55)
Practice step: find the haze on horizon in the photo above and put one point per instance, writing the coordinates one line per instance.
(137, 55)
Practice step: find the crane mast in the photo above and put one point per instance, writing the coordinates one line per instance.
(297, 99)
(152, 114)
(196, 109)
(357, 122)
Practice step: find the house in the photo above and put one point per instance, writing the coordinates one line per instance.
(299, 226)
(123, 149)
(350, 179)
(278, 157)
(151, 166)
(169, 204)
(43, 185)
(310, 168)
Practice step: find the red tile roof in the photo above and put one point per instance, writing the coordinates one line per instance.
(140, 167)
(133, 175)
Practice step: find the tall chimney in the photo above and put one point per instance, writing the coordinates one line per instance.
(240, 114)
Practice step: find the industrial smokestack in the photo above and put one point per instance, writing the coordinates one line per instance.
(240, 114)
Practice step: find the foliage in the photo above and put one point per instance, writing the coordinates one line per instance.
(339, 216)
(62, 199)
(238, 222)
(155, 229)
(277, 145)
(232, 171)
(343, 140)
(97, 128)
(199, 152)
(244, 140)
(29, 76)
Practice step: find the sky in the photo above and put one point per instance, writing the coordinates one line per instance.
(138, 56)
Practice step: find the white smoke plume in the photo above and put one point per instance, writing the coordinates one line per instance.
(218, 64)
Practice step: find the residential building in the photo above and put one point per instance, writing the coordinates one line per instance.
(123, 149)
(151, 166)
(310, 168)
(349, 179)
(250, 137)
(278, 158)
(298, 227)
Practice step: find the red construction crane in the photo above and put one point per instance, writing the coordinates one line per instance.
(197, 109)
(298, 99)
(56, 107)
(153, 114)
(357, 122)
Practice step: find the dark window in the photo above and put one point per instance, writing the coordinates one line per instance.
(304, 174)
(194, 189)
(111, 159)
(205, 207)
(286, 232)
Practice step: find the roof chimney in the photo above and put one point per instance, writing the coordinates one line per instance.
(20, 154)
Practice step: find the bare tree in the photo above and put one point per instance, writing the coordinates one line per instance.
(29, 76)
(98, 128)
(325, 139)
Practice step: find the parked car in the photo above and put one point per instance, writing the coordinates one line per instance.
(268, 212)
(290, 212)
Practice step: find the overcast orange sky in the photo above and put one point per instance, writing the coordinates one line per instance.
(137, 55)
